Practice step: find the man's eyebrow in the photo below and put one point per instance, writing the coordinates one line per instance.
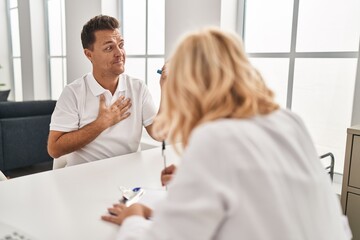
(110, 41)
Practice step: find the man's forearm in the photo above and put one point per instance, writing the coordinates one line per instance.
(64, 143)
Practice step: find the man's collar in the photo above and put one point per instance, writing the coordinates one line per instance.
(97, 89)
(121, 85)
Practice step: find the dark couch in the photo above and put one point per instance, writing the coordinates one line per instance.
(24, 129)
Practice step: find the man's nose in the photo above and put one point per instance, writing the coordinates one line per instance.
(118, 51)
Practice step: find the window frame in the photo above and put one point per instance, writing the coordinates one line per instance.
(62, 56)
(11, 51)
(293, 54)
(145, 56)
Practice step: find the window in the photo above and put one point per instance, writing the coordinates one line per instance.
(307, 51)
(15, 48)
(57, 46)
(143, 29)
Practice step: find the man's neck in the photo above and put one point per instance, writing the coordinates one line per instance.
(108, 82)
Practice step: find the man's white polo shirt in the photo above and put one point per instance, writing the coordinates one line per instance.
(78, 106)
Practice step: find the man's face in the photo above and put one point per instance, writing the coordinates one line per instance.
(108, 54)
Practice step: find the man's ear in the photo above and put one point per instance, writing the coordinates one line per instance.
(88, 54)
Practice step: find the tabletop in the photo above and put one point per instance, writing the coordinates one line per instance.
(67, 203)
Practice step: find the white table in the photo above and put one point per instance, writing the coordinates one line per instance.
(67, 204)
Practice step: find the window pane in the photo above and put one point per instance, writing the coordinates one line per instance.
(18, 79)
(15, 38)
(153, 77)
(56, 76)
(156, 26)
(63, 25)
(134, 13)
(55, 26)
(275, 72)
(323, 96)
(328, 25)
(268, 25)
(135, 67)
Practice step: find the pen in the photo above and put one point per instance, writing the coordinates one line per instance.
(164, 158)
(163, 148)
(159, 71)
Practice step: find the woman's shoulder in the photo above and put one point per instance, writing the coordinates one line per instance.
(213, 131)
(246, 127)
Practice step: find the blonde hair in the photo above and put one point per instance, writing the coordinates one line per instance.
(210, 78)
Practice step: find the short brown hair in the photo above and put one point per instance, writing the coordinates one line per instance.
(100, 22)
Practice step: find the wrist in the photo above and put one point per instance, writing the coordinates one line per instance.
(139, 210)
(101, 124)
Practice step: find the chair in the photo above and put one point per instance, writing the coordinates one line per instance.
(329, 167)
(4, 95)
(59, 162)
(2, 176)
(24, 131)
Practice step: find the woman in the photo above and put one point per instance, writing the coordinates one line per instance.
(249, 169)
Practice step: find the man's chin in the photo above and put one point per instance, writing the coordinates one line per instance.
(119, 71)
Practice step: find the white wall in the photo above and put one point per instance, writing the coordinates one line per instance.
(228, 14)
(5, 74)
(77, 13)
(110, 7)
(41, 81)
(26, 50)
(187, 15)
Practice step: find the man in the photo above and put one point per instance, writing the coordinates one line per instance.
(101, 115)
